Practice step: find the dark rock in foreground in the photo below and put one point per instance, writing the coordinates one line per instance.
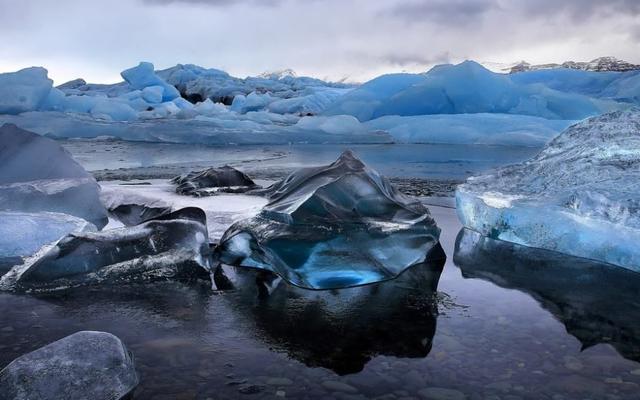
(333, 226)
(225, 179)
(173, 246)
(86, 365)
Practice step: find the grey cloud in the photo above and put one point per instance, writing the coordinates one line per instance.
(216, 3)
(442, 11)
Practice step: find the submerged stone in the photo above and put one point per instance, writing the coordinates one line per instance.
(84, 366)
(580, 195)
(172, 246)
(225, 179)
(333, 226)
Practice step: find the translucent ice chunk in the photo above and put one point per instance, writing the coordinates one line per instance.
(22, 234)
(333, 226)
(37, 174)
(174, 245)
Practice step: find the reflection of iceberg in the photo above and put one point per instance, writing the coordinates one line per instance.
(333, 226)
(341, 329)
(597, 303)
(170, 246)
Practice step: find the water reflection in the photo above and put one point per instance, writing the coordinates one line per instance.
(597, 303)
(341, 330)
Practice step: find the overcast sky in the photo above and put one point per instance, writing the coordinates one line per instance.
(356, 39)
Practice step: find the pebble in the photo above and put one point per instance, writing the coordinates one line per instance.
(339, 387)
(635, 372)
(436, 393)
(281, 393)
(279, 381)
(247, 388)
(572, 363)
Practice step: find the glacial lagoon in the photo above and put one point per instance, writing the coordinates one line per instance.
(495, 321)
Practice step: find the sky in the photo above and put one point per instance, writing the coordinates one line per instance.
(354, 40)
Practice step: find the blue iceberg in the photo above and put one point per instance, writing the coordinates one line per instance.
(333, 226)
(579, 196)
(466, 88)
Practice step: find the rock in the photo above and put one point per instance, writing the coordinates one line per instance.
(279, 382)
(436, 393)
(247, 388)
(86, 365)
(213, 180)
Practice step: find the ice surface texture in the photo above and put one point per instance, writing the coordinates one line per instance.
(580, 195)
(209, 181)
(174, 245)
(597, 302)
(37, 174)
(87, 365)
(333, 226)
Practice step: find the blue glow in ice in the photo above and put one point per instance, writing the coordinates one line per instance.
(334, 226)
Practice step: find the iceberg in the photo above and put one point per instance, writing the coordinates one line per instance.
(218, 128)
(23, 90)
(37, 174)
(225, 179)
(143, 76)
(333, 226)
(87, 365)
(579, 195)
(597, 302)
(618, 86)
(466, 88)
(480, 128)
(171, 246)
(395, 318)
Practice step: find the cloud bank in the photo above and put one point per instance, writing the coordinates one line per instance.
(335, 39)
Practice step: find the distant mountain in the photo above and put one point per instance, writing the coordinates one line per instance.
(278, 74)
(600, 64)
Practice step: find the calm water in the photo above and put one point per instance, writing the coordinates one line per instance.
(401, 160)
(505, 324)
(492, 322)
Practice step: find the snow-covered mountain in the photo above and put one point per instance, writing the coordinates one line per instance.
(600, 64)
